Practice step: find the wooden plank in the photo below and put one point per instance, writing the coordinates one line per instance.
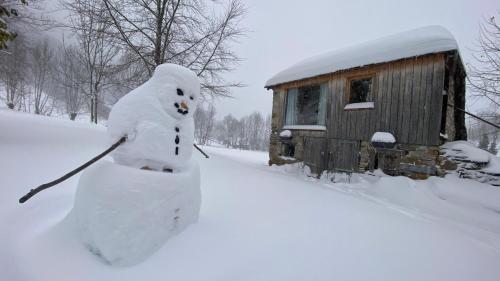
(344, 156)
(436, 100)
(395, 96)
(415, 102)
(340, 103)
(421, 101)
(343, 117)
(380, 102)
(333, 110)
(401, 102)
(328, 117)
(376, 103)
(427, 103)
(314, 153)
(408, 101)
(358, 124)
(388, 100)
(364, 124)
(333, 150)
(338, 107)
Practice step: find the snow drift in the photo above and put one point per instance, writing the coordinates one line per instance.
(256, 222)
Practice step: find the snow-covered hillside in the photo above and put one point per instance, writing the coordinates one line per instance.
(256, 223)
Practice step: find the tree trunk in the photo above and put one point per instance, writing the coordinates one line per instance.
(95, 109)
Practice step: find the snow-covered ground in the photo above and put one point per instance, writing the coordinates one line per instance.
(256, 223)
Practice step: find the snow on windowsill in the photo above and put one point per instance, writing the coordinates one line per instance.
(305, 127)
(359, 105)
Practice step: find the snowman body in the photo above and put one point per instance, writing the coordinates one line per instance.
(127, 209)
(157, 120)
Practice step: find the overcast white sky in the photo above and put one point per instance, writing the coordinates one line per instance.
(282, 32)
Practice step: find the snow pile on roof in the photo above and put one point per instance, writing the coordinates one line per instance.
(420, 41)
(383, 137)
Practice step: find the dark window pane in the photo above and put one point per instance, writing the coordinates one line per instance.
(308, 105)
(360, 90)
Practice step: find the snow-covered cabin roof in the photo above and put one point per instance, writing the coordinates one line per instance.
(416, 42)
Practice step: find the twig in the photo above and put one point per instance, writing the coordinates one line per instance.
(202, 152)
(72, 173)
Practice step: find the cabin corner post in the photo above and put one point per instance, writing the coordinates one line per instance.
(277, 121)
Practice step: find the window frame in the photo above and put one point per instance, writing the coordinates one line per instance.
(369, 98)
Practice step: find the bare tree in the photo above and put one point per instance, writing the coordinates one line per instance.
(249, 132)
(42, 59)
(484, 74)
(97, 50)
(209, 125)
(68, 80)
(267, 133)
(256, 130)
(200, 117)
(14, 71)
(204, 120)
(184, 32)
(229, 131)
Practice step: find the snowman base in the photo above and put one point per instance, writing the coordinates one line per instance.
(124, 214)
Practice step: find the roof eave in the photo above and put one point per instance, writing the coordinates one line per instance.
(274, 86)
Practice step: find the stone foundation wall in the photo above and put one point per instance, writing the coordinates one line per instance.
(276, 146)
(414, 161)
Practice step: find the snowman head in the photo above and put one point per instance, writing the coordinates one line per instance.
(177, 89)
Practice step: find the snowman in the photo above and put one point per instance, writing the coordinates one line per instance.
(127, 209)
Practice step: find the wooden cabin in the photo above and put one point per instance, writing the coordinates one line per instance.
(327, 108)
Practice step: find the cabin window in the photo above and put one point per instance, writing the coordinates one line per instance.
(306, 105)
(360, 90)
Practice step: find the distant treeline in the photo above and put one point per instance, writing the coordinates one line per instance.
(250, 132)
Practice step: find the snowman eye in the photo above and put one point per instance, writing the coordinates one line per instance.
(191, 97)
(180, 92)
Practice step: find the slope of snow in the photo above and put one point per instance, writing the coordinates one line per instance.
(466, 151)
(256, 222)
(420, 41)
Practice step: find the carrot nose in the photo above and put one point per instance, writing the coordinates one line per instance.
(184, 105)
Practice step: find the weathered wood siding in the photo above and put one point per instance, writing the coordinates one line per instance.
(407, 98)
(315, 153)
(343, 155)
